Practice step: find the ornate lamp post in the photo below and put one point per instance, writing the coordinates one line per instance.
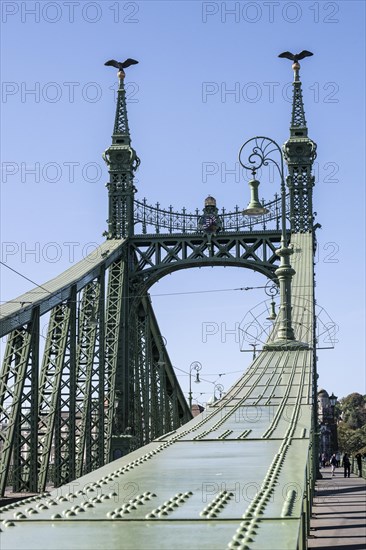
(196, 365)
(333, 400)
(272, 291)
(258, 151)
(220, 389)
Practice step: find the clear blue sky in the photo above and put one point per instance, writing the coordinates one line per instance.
(182, 117)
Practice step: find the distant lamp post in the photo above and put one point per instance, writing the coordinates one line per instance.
(220, 389)
(257, 152)
(272, 291)
(333, 400)
(196, 365)
(254, 346)
(334, 441)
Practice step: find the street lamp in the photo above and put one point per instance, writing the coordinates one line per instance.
(260, 151)
(254, 346)
(220, 389)
(196, 365)
(333, 400)
(272, 291)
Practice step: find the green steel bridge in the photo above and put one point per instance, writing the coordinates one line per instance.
(98, 409)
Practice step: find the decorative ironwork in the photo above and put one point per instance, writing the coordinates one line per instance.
(154, 219)
(298, 113)
(122, 162)
(299, 152)
(156, 256)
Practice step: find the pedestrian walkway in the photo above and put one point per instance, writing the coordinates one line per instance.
(339, 512)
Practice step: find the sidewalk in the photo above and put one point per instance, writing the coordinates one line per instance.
(339, 512)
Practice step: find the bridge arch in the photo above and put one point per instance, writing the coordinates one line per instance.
(154, 256)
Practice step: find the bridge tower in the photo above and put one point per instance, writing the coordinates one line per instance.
(122, 162)
(299, 152)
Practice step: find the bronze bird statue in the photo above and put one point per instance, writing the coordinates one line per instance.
(121, 65)
(296, 57)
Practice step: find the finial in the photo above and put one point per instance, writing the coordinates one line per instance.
(120, 65)
(295, 58)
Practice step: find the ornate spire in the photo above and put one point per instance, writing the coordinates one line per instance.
(121, 131)
(122, 162)
(298, 126)
(299, 152)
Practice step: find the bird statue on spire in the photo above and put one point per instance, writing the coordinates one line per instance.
(297, 56)
(120, 65)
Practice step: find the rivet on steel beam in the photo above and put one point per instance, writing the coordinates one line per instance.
(8, 523)
(19, 515)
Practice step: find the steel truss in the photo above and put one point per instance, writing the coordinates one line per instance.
(66, 417)
(156, 255)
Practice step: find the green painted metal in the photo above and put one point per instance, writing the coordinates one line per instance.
(122, 162)
(18, 393)
(300, 153)
(68, 424)
(237, 476)
(52, 390)
(107, 385)
(89, 390)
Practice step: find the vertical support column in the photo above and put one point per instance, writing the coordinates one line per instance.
(17, 385)
(51, 386)
(26, 431)
(116, 344)
(122, 419)
(89, 421)
(96, 424)
(64, 437)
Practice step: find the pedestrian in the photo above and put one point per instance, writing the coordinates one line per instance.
(346, 465)
(359, 464)
(333, 463)
(338, 457)
(324, 459)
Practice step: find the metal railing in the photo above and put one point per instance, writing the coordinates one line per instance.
(154, 219)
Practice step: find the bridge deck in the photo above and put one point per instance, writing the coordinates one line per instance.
(233, 477)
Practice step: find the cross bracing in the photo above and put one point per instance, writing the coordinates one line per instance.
(58, 415)
(155, 256)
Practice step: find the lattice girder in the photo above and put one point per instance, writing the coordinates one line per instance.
(51, 385)
(115, 304)
(12, 382)
(25, 473)
(89, 384)
(157, 402)
(158, 255)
